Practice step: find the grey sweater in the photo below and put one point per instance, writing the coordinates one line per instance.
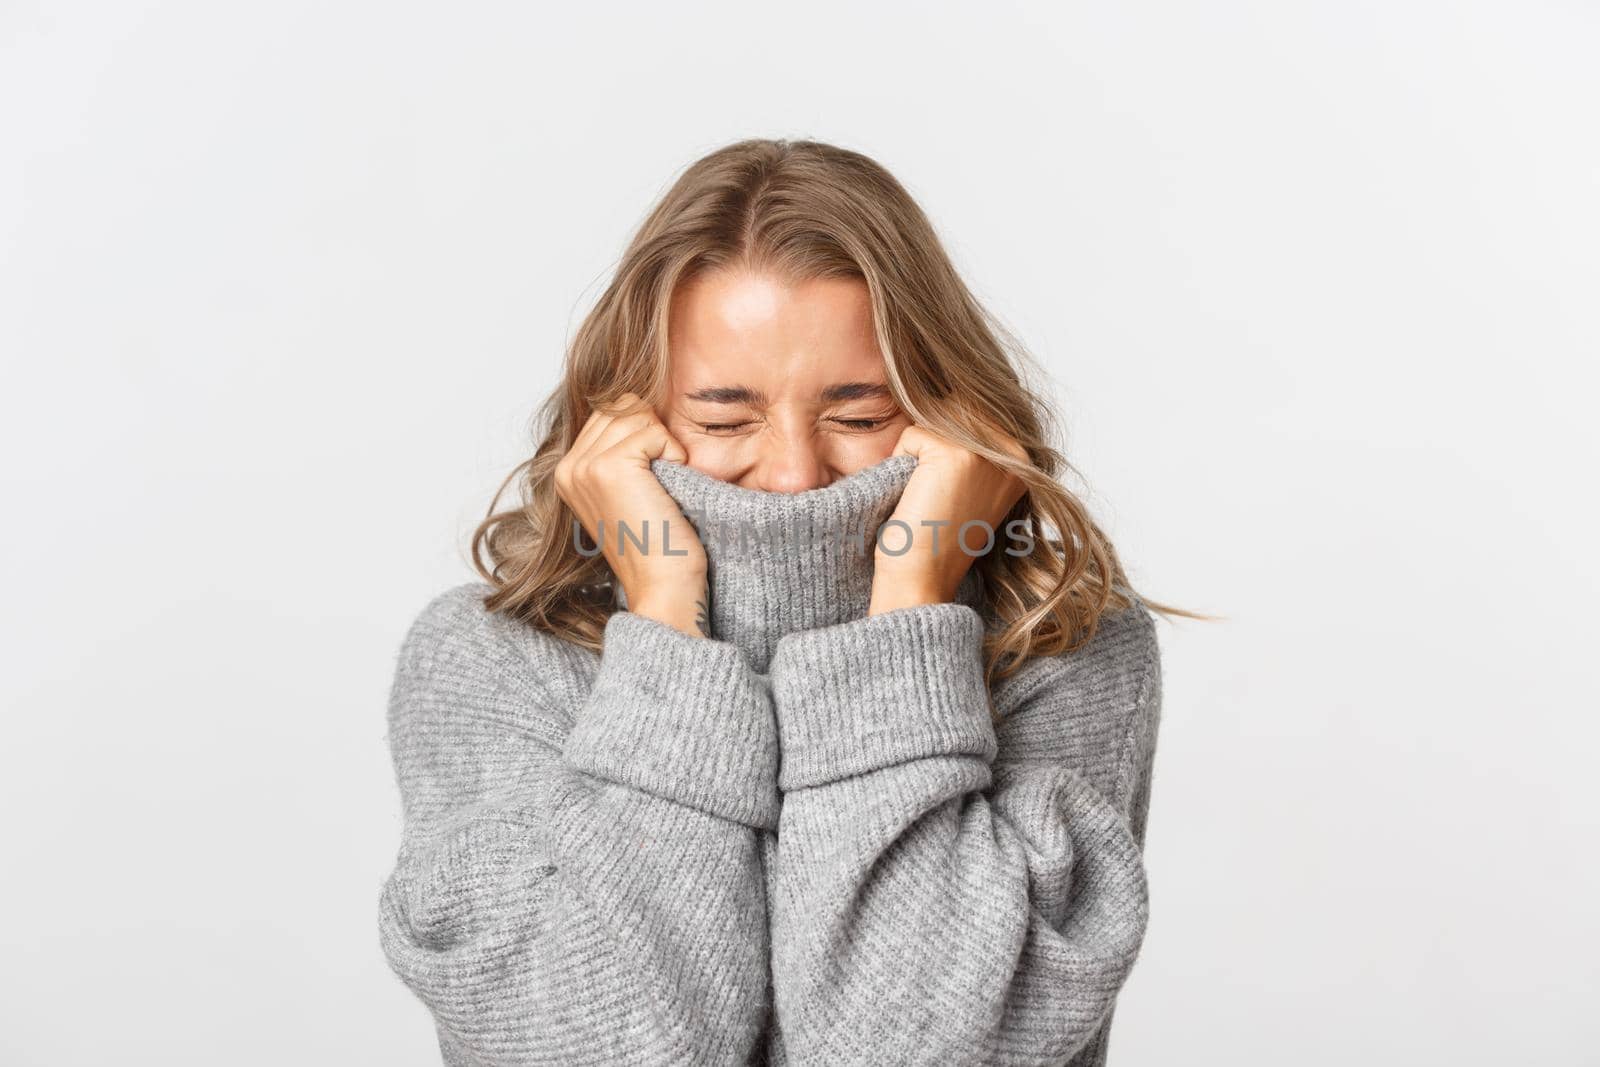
(799, 843)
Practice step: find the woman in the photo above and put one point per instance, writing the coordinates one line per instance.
(765, 766)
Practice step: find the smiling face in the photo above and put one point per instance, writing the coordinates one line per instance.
(778, 387)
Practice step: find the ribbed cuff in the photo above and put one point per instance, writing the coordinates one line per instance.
(880, 690)
(685, 718)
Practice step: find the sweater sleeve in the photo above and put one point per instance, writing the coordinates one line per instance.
(935, 904)
(579, 886)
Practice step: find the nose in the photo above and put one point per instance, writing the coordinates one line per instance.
(792, 466)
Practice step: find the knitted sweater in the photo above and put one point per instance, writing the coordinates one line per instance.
(800, 843)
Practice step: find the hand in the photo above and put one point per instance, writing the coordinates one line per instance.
(605, 478)
(950, 485)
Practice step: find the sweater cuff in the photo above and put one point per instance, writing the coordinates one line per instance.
(681, 717)
(884, 689)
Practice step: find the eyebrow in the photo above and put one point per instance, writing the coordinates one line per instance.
(744, 394)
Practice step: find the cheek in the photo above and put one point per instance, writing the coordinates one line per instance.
(722, 458)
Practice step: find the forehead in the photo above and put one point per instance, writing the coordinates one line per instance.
(790, 339)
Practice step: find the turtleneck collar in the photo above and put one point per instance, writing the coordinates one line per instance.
(782, 562)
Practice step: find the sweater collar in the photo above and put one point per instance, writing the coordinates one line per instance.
(782, 562)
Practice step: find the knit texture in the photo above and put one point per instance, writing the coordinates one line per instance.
(800, 842)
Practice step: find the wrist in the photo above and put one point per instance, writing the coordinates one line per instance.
(890, 596)
(686, 610)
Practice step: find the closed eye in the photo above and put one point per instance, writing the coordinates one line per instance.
(857, 425)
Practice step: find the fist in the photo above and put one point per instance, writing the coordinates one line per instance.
(605, 479)
(950, 486)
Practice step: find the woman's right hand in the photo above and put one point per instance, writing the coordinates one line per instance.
(605, 477)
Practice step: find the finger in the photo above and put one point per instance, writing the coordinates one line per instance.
(912, 441)
(601, 419)
(673, 449)
(592, 426)
(649, 442)
(625, 404)
(620, 428)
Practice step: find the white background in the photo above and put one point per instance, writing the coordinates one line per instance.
(1317, 285)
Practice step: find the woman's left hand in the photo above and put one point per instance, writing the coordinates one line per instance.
(949, 486)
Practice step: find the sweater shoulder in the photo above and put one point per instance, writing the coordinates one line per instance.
(456, 649)
(458, 618)
(1096, 708)
(1115, 670)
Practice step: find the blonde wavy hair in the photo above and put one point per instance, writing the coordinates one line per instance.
(801, 209)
